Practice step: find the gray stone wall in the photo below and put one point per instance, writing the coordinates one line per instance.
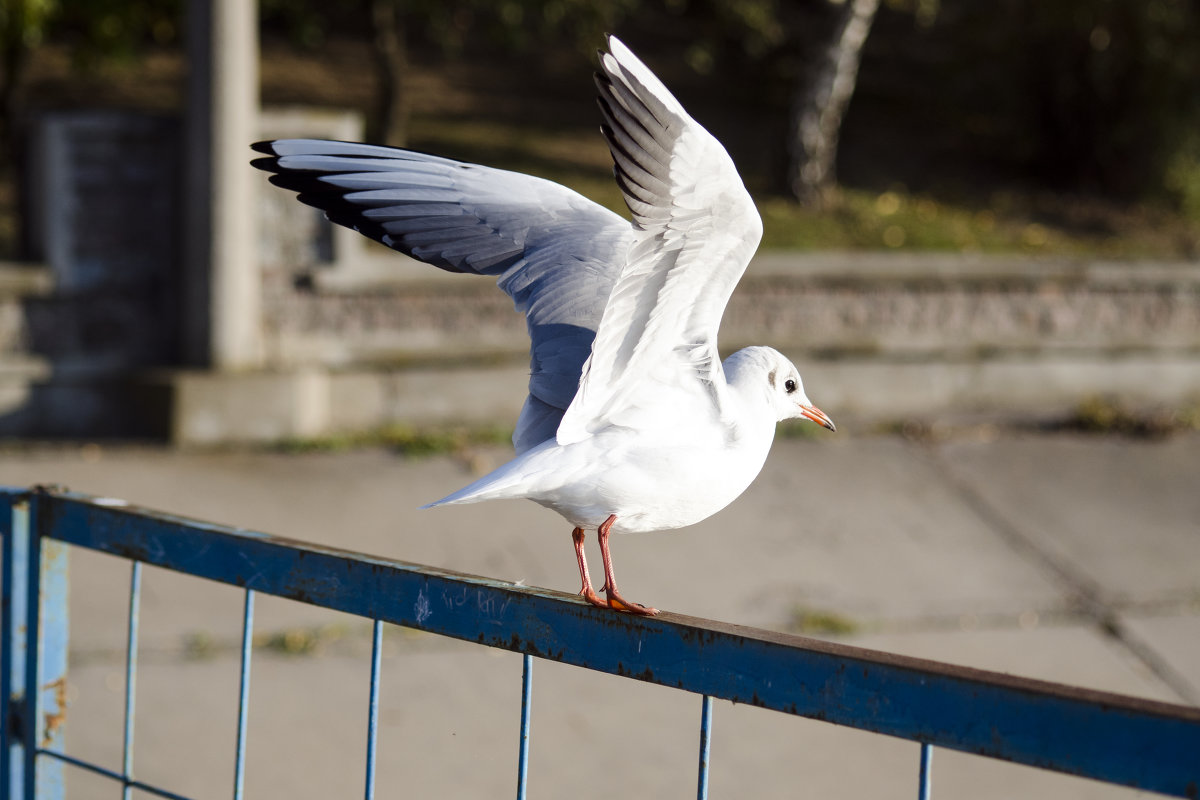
(817, 307)
(857, 305)
(878, 337)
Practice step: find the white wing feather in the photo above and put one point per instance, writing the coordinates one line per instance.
(695, 231)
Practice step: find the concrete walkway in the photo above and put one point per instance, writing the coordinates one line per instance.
(1057, 557)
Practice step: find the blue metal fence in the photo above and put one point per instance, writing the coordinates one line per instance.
(1113, 738)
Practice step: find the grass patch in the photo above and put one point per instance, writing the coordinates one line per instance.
(404, 439)
(1106, 415)
(800, 429)
(300, 641)
(815, 621)
(896, 220)
(200, 646)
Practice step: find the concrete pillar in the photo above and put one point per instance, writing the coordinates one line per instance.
(222, 285)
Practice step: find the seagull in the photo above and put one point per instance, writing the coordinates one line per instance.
(633, 422)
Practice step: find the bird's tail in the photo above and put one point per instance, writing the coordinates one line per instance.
(514, 479)
(467, 494)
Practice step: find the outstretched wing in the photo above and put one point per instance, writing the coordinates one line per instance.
(554, 252)
(696, 229)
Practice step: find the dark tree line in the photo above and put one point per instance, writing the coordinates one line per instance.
(1093, 95)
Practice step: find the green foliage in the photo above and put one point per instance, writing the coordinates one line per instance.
(1182, 178)
(98, 30)
(857, 219)
(1077, 95)
(1091, 96)
(515, 24)
(1114, 85)
(524, 23)
(304, 23)
(23, 22)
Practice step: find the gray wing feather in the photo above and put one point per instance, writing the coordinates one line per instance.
(555, 253)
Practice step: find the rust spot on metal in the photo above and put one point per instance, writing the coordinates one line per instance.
(55, 719)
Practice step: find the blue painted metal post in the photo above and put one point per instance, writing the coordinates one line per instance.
(926, 779)
(239, 767)
(705, 746)
(15, 519)
(131, 647)
(373, 707)
(526, 707)
(45, 708)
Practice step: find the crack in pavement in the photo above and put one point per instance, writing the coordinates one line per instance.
(1083, 590)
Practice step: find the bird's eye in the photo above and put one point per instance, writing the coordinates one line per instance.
(789, 385)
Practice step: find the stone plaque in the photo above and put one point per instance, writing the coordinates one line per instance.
(106, 197)
(104, 216)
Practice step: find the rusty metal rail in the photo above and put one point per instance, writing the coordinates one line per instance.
(1113, 738)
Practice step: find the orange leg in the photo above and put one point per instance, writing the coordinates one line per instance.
(610, 580)
(586, 592)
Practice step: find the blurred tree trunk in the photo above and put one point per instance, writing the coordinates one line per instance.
(13, 54)
(21, 26)
(389, 123)
(820, 103)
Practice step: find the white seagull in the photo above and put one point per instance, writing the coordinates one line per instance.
(633, 423)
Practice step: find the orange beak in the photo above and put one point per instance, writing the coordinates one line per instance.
(818, 416)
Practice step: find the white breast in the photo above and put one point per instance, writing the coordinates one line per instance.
(649, 484)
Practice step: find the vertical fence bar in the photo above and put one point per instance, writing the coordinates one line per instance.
(30, 704)
(705, 747)
(239, 769)
(131, 649)
(44, 719)
(12, 642)
(373, 707)
(526, 707)
(926, 778)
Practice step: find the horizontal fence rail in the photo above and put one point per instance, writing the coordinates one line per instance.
(1140, 743)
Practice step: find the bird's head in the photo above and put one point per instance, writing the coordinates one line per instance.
(765, 373)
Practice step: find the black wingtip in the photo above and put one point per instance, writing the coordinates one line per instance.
(605, 104)
(604, 83)
(267, 147)
(265, 164)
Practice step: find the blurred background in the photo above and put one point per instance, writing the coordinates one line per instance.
(982, 249)
(998, 206)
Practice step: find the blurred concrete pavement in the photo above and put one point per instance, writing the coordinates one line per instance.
(1059, 557)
